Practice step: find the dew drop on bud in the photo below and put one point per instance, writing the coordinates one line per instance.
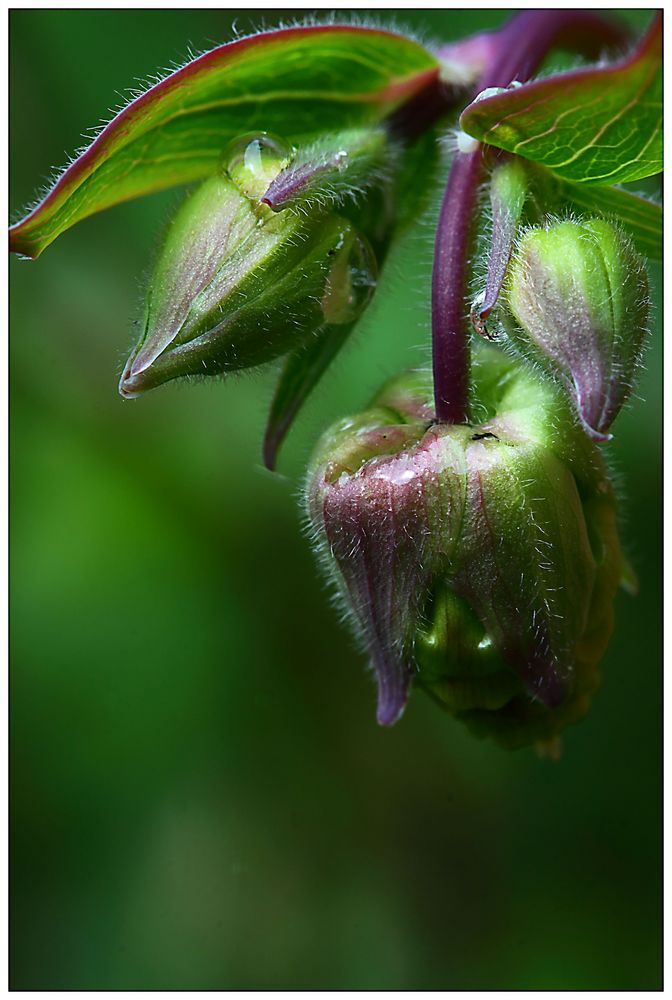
(252, 161)
(351, 280)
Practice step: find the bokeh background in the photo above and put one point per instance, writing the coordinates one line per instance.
(200, 795)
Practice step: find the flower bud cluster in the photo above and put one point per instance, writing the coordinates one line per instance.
(479, 560)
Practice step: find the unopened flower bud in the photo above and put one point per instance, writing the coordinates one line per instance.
(578, 296)
(237, 284)
(480, 561)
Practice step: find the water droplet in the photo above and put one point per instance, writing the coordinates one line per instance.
(351, 280)
(253, 160)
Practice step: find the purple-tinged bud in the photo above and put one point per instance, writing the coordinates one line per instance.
(578, 296)
(479, 561)
(236, 284)
(386, 498)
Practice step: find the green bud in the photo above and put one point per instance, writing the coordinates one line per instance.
(479, 562)
(237, 284)
(578, 296)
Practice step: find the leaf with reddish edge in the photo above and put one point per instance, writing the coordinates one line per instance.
(601, 125)
(296, 82)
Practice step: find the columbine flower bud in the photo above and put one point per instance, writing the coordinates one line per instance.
(480, 561)
(578, 293)
(237, 284)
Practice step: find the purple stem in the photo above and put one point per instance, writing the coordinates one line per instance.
(519, 49)
(450, 340)
(418, 115)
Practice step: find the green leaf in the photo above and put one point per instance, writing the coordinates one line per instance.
(643, 219)
(302, 371)
(601, 125)
(296, 82)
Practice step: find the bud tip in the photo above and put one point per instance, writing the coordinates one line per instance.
(392, 695)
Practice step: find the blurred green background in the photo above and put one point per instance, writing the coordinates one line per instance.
(200, 795)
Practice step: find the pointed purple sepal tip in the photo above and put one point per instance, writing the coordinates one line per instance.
(393, 685)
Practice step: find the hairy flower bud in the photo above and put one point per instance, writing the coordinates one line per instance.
(578, 295)
(237, 284)
(480, 560)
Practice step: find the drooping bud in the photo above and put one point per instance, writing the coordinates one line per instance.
(237, 284)
(480, 561)
(578, 296)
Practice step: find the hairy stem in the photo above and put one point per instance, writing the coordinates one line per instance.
(518, 50)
